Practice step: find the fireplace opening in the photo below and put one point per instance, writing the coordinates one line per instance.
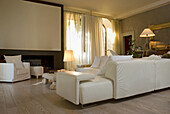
(46, 61)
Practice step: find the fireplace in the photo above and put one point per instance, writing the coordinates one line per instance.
(50, 60)
(46, 61)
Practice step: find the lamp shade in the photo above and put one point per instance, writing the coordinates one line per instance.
(147, 33)
(68, 56)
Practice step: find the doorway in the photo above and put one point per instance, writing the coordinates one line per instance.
(127, 44)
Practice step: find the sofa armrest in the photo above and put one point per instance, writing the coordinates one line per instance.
(27, 66)
(83, 65)
(131, 77)
(67, 84)
(7, 71)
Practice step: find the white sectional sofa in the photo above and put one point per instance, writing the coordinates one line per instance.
(122, 78)
(162, 72)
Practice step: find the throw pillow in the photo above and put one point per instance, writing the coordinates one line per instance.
(115, 58)
(103, 69)
(103, 60)
(154, 57)
(15, 59)
(113, 53)
(96, 62)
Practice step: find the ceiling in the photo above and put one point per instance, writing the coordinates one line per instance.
(113, 8)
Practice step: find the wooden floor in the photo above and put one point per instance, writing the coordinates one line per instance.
(32, 97)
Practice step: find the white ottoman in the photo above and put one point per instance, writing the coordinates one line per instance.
(37, 71)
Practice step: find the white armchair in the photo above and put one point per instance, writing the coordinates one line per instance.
(9, 73)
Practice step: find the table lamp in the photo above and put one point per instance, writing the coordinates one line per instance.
(68, 57)
(147, 33)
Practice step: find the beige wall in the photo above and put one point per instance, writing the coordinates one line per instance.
(29, 26)
(138, 22)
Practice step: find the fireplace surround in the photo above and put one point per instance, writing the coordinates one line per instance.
(50, 60)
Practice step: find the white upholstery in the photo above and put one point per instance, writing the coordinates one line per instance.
(37, 71)
(103, 60)
(162, 73)
(16, 60)
(131, 77)
(123, 78)
(21, 71)
(67, 84)
(9, 73)
(88, 70)
(96, 62)
(121, 57)
(97, 89)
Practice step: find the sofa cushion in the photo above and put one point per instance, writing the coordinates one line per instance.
(15, 59)
(97, 89)
(88, 70)
(122, 57)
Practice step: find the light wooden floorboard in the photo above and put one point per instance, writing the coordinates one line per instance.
(32, 97)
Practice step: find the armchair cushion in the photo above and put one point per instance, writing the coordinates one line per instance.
(15, 59)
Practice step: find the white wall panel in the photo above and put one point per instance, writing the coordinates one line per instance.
(29, 26)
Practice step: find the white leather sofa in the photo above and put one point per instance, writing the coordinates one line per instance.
(83, 88)
(9, 73)
(162, 72)
(87, 69)
(122, 78)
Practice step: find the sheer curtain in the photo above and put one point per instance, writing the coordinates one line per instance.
(94, 38)
(116, 30)
(97, 38)
(73, 37)
(83, 35)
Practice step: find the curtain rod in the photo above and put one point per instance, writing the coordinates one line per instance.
(89, 13)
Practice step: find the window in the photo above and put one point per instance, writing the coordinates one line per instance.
(108, 36)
